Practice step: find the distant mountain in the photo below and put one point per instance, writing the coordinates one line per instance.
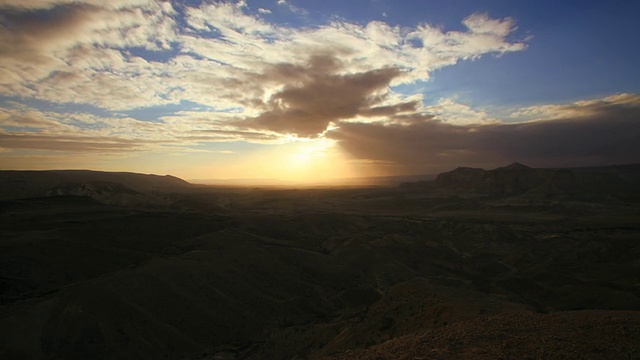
(355, 181)
(96, 184)
(515, 166)
(621, 182)
(462, 176)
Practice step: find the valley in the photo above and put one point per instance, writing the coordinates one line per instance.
(514, 263)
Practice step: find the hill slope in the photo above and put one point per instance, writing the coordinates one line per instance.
(26, 184)
(389, 272)
(619, 182)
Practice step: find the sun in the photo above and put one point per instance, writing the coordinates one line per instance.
(295, 161)
(315, 160)
(308, 153)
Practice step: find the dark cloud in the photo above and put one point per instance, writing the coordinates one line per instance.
(389, 110)
(318, 94)
(25, 34)
(70, 143)
(228, 135)
(608, 133)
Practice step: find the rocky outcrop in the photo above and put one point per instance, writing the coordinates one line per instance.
(26, 184)
(619, 182)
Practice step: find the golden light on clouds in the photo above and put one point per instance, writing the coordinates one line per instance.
(223, 90)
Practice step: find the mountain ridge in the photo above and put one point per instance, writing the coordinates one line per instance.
(439, 271)
(518, 180)
(15, 184)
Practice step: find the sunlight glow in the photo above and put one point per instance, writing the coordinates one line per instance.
(310, 161)
(309, 153)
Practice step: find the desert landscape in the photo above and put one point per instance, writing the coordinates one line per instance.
(509, 263)
(325, 180)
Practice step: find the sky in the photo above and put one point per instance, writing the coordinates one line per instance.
(309, 91)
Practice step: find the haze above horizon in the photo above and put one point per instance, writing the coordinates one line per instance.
(312, 92)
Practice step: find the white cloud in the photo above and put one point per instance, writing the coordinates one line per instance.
(294, 9)
(481, 24)
(46, 4)
(38, 57)
(578, 109)
(451, 112)
(485, 35)
(248, 42)
(63, 58)
(227, 60)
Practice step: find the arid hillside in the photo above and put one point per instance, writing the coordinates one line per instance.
(481, 264)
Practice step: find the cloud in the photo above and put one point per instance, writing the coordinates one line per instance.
(579, 109)
(480, 23)
(452, 112)
(23, 127)
(216, 135)
(60, 55)
(106, 145)
(47, 4)
(608, 131)
(288, 102)
(37, 38)
(281, 82)
(264, 83)
(29, 119)
(318, 95)
(58, 51)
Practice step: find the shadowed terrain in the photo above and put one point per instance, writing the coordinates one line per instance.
(513, 262)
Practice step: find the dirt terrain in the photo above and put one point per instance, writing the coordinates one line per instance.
(510, 263)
